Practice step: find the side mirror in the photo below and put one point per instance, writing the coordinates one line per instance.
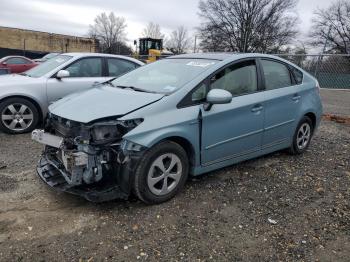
(217, 96)
(62, 74)
(4, 63)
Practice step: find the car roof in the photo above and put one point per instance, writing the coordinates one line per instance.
(222, 56)
(209, 56)
(104, 55)
(14, 56)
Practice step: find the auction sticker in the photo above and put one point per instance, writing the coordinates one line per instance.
(200, 63)
(59, 60)
(170, 88)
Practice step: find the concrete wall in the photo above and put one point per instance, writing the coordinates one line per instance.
(13, 38)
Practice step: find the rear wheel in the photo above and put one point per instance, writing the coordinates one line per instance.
(161, 173)
(302, 136)
(18, 116)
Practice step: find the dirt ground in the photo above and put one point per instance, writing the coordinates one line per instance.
(336, 102)
(277, 207)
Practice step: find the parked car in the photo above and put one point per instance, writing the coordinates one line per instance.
(46, 57)
(147, 130)
(24, 98)
(16, 64)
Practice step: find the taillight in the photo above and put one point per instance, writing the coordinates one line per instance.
(318, 87)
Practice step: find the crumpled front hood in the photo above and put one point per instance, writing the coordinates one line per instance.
(101, 102)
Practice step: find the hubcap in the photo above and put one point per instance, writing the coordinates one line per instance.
(17, 117)
(164, 174)
(303, 136)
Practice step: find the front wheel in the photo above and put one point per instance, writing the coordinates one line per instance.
(17, 116)
(161, 173)
(302, 136)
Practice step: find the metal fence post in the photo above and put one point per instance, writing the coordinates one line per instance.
(323, 51)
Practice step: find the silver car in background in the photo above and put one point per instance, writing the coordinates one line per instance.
(24, 98)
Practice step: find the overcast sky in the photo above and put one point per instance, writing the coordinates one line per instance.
(74, 16)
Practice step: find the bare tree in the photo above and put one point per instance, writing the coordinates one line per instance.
(295, 53)
(109, 30)
(247, 25)
(153, 31)
(333, 25)
(179, 41)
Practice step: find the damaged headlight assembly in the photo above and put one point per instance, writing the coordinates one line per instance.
(104, 133)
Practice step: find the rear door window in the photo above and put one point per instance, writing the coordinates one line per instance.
(117, 67)
(277, 75)
(298, 75)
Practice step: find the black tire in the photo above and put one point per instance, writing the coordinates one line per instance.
(140, 184)
(295, 149)
(31, 110)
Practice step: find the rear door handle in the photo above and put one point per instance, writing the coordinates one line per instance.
(296, 97)
(257, 108)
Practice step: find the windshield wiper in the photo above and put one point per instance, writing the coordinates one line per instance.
(135, 89)
(109, 82)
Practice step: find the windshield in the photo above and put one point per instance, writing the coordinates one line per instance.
(165, 76)
(50, 55)
(47, 66)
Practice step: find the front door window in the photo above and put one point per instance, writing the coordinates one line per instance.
(86, 67)
(239, 79)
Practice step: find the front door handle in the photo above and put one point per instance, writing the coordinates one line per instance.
(257, 108)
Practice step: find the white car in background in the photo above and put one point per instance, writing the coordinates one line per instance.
(24, 98)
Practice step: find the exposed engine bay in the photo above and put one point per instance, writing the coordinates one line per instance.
(89, 157)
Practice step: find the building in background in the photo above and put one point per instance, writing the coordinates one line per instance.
(35, 44)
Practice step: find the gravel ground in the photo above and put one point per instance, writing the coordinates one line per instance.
(278, 207)
(336, 102)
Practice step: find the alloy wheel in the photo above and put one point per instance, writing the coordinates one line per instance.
(164, 174)
(303, 136)
(17, 117)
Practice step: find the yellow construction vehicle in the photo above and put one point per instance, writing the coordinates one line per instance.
(150, 49)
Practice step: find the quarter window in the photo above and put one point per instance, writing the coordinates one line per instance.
(117, 67)
(86, 67)
(200, 93)
(239, 79)
(276, 75)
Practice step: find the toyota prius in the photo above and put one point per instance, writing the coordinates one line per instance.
(148, 130)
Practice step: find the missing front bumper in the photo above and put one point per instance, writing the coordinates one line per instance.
(96, 172)
(118, 188)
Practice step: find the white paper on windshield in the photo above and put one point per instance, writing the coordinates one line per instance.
(200, 63)
(170, 88)
(59, 60)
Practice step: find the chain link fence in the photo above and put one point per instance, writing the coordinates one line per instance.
(332, 71)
